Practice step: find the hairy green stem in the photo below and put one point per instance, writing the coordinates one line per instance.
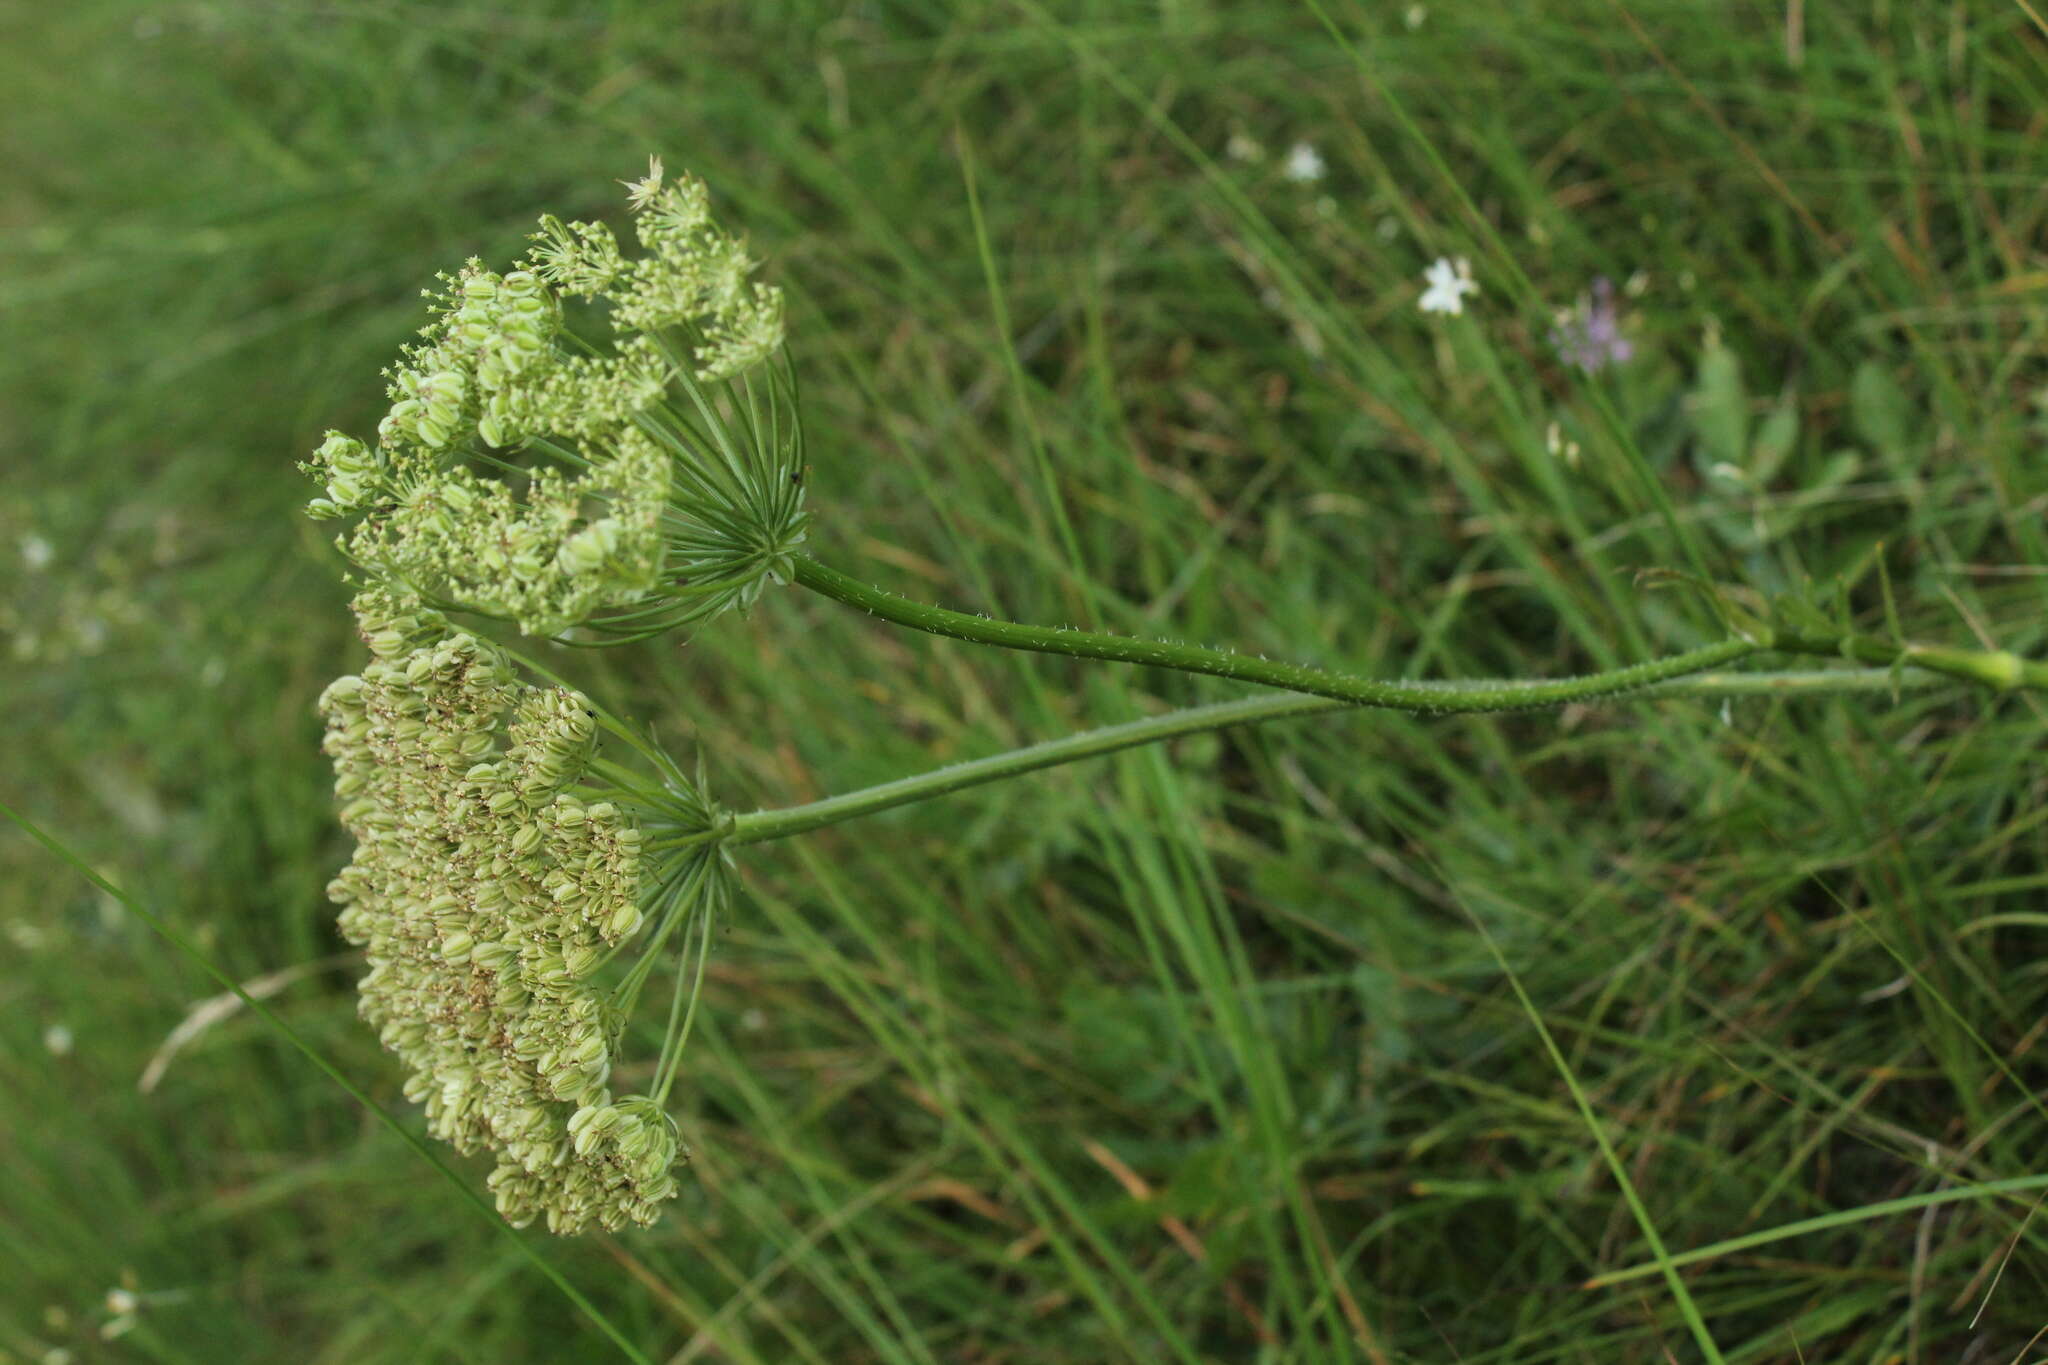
(1316, 690)
(763, 825)
(1430, 697)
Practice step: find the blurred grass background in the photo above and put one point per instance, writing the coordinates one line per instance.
(1201, 1054)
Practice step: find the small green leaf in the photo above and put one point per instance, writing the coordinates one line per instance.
(1878, 409)
(1720, 410)
(1891, 607)
(1803, 611)
(1775, 440)
(1742, 610)
(1842, 467)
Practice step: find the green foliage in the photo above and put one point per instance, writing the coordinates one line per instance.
(1193, 1054)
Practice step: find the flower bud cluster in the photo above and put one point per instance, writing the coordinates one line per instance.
(352, 475)
(632, 1142)
(544, 560)
(495, 335)
(484, 893)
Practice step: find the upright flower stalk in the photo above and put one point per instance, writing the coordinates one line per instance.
(516, 885)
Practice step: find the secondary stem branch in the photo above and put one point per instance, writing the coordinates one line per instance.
(775, 824)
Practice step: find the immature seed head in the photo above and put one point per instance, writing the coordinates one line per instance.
(483, 892)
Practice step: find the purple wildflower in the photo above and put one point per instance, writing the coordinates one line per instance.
(1590, 336)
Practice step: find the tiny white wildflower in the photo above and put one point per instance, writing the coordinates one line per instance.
(1448, 285)
(1554, 441)
(36, 553)
(1243, 148)
(58, 1040)
(1304, 163)
(123, 1305)
(1415, 15)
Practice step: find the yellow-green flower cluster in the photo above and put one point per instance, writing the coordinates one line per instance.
(694, 276)
(489, 374)
(555, 544)
(484, 893)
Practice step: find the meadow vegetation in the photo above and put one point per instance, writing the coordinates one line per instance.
(1668, 1029)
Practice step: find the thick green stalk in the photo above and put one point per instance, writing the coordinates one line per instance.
(1430, 697)
(775, 824)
